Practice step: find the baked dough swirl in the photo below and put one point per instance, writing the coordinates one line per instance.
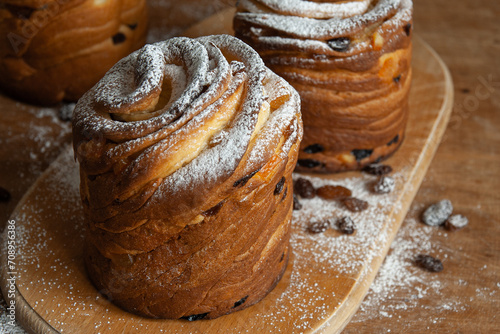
(55, 50)
(350, 63)
(186, 150)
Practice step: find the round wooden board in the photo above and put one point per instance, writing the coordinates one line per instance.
(53, 294)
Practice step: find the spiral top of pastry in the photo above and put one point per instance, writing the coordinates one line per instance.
(171, 130)
(330, 28)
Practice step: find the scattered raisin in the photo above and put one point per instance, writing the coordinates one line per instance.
(279, 186)
(407, 29)
(456, 222)
(296, 203)
(384, 185)
(66, 112)
(308, 163)
(240, 302)
(393, 140)
(314, 148)
(397, 79)
(304, 188)
(438, 213)
(318, 227)
(346, 225)
(375, 169)
(4, 195)
(429, 263)
(355, 204)
(195, 317)
(361, 154)
(340, 44)
(333, 192)
(132, 26)
(119, 38)
(241, 182)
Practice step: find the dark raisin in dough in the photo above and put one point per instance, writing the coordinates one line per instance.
(361, 154)
(241, 182)
(314, 148)
(340, 44)
(241, 301)
(308, 163)
(279, 186)
(393, 140)
(119, 38)
(407, 29)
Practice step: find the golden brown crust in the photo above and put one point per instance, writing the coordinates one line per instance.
(352, 71)
(57, 50)
(186, 152)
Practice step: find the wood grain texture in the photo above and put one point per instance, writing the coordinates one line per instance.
(54, 295)
(465, 169)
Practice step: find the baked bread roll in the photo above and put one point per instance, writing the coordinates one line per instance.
(350, 63)
(52, 51)
(186, 151)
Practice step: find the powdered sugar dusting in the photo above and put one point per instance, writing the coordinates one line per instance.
(296, 23)
(330, 255)
(309, 8)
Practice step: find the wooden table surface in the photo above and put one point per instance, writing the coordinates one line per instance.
(465, 297)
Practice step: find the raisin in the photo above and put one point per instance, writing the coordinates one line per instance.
(119, 38)
(132, 26)
(304, 188)
(318, 227)
(314, 148)
(361, 154)
(195, 317)
(429, 263)
(355, 205)
(456, 222)
(279, 186)
(438, 213)
(240, 302)
(333, 192)
(214, 210)
(393, 140)
(375, 169)
(296, 203)
(66, 112)
(346, 225)
(4, 195)
(407, 29)
(397, 79)
(284, 194)
(241, 182)
(308, 163)
(92, 177)
(340, 44)
(384, 185)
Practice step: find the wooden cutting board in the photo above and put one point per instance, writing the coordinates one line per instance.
(328, 275)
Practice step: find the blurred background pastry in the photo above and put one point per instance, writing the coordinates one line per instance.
(350, 63)
(55, 50)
